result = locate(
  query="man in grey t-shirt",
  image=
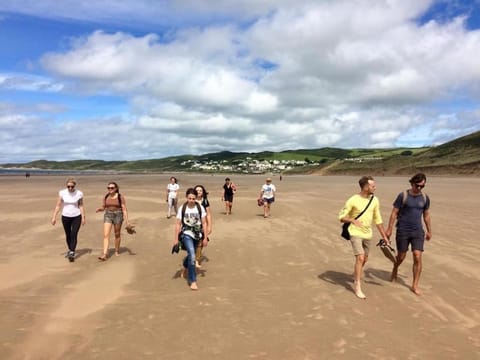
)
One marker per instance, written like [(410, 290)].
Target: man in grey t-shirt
[(408, 209)]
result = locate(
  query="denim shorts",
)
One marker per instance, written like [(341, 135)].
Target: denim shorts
[(113, 217)]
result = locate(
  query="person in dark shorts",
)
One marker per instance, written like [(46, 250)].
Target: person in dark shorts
[(229, 190), (267, 195), (408, 210)]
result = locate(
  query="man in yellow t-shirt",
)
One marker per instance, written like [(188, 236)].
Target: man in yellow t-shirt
[(361, 229)]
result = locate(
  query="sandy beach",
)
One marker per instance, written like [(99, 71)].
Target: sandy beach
[(276, 288)]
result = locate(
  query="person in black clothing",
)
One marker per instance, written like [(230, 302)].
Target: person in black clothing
[(202, 199), (228, 192)]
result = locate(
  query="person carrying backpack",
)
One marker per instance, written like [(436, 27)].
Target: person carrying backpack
[(115, 213), (189, 230), (408, 209)]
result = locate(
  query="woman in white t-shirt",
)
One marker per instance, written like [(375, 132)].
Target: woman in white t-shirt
[(267, 195), (191, 225), (172, 189), (73, 214)]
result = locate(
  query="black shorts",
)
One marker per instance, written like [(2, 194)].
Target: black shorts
[(414, 238), (229, 198)]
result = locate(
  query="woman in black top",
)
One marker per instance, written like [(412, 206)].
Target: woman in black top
[(202, 199), (228, 191)]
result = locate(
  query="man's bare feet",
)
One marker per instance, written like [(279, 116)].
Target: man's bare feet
[(358, 291), (183, 273), (416, 291), (393, 277), (117, 253), (193, 286), (197, 265)]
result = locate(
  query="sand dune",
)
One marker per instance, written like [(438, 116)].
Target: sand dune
[(277, 288)]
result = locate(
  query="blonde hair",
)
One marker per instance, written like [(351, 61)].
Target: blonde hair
[(71, 180)]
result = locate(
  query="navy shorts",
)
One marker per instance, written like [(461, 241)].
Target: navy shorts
[(414, 238), (269, 201)]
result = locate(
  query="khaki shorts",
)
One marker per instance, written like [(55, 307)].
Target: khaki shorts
[(360, 246)]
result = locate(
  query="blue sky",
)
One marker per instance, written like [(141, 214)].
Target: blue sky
[(141, 79)]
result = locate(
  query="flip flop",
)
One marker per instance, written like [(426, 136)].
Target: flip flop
[(387, 250)]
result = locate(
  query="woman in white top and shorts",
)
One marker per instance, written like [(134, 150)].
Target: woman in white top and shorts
[(172, 189)]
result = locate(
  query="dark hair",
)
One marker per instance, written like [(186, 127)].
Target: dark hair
[(191, 191), (205, 192), (174, 178), (364, 181), (227, 179), (116, 185), (418, 178)]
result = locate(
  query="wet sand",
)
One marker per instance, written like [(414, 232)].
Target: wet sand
[(277, 288)]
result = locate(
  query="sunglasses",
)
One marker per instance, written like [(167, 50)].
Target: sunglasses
[(111, 187), (71, 186), (419, 186)]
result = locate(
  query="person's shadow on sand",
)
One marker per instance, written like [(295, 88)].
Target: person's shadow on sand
[(80, 252), (338, 278), (383, 275), (178, 273), (124, 249)]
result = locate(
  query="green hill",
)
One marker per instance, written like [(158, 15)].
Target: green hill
[(458, 157)]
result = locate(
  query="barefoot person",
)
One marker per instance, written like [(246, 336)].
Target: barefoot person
[(190, 226), (229, 190), (267, 194), (172, 189), (73, 214), (360, 229), (115, 213), (409, 208), (202, 199)]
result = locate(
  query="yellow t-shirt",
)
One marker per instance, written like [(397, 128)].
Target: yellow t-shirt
[(355, 206)]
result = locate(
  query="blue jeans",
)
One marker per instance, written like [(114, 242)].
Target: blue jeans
[(189, 261)]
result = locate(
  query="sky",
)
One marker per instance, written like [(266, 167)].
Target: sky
[(145, 79)]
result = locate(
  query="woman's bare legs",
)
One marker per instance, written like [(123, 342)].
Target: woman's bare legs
[(118, 228), (107, 228)]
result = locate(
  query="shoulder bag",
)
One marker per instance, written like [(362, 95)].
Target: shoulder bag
[(345, 234)]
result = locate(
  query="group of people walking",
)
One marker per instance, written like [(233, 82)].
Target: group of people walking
[(409, 208), (193, 225), (70, 202), (194, 222)]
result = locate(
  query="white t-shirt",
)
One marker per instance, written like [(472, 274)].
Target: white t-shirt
[(172, 190), (268, 191), (70, 202), (191, 219)]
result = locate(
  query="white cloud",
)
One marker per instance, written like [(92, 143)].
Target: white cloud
[(28, 82), (281, 75)]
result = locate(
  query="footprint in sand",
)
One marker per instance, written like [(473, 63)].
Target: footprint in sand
[(20, 272), (102, 287)]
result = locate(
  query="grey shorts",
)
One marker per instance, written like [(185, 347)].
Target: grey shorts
[(113, 217)]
